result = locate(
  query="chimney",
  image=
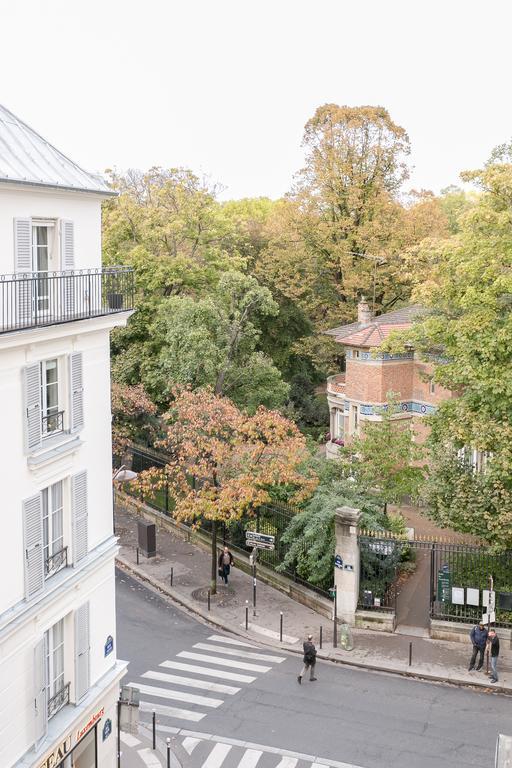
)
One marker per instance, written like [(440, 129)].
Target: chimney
[(364, 313)]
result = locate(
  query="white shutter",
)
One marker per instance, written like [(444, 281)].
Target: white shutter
[(33, 543), (23, 266), (32, 407), (67, 244), (76, 385), (81, 652), (40, 702), (79, 516), (67, 255)]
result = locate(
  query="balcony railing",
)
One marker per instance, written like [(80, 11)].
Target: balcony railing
[(52, 423), (58, 700), (56, 561), (336, 384), (48, 298)]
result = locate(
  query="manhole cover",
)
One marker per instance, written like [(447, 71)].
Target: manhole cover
[(224, 596)]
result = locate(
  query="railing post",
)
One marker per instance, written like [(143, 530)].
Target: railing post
[(154, 729)]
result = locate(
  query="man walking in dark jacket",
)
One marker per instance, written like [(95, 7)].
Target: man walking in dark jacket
[(309, 660), (493, 642), (478, 637)]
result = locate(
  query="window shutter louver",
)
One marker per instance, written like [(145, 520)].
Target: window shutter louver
[(32, 404), (81, 652), (40, 702), (33, 541), (23, 266), (67, 251), (79, 516), (76, 419)]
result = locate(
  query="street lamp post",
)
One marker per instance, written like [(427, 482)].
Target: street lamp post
[(121, 475)]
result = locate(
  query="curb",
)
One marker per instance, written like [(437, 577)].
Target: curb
[(135, 572)]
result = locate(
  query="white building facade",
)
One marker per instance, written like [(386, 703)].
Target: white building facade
[(59, 676)]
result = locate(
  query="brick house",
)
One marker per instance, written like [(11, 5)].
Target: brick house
[(355, 396)]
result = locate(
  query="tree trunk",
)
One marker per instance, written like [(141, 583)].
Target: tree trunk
[(213, 582), (385, 509)]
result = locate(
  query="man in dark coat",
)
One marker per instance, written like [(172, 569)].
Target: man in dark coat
[(478, 637), (494, 644), (309, 660), (225, 563)]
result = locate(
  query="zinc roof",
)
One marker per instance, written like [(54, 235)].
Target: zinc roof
[(27, 158)]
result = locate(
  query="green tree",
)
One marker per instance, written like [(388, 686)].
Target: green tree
[(213, 341), (466, 333), (385, 456)]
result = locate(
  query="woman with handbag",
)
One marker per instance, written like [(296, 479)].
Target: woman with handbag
[(225, 562)]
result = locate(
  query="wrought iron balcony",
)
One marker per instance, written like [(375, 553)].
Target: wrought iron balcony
[(58, 700), (52, 423), (48, 298), (55, 562)]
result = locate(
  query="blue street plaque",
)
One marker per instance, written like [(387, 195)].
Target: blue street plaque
[(107, 729), (338, 561), (109, 645)]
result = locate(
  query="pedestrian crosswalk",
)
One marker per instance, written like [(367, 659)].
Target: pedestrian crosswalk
[(167, 690)]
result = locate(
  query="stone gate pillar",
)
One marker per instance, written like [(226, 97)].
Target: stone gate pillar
[(346, 567)]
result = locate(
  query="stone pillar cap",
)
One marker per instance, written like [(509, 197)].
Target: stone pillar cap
[(348, 515)]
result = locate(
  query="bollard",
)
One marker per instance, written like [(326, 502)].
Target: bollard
[(137, 555), (209, 599), (246, 615), (172, 574), (281, 627), (168, 753), (154, 729), (410, 654), (321, 630)]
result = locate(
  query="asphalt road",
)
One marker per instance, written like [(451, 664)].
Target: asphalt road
[(363, 719)]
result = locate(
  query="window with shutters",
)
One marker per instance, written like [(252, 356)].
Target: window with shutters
[(52, 417), (57, 690), (55, 553)]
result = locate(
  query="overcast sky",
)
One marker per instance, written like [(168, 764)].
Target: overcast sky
[(225, 86)]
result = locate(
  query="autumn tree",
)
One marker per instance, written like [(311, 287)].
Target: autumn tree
[(224, 463)]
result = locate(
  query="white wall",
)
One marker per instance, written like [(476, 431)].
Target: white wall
[(81, 208), (17, 657)]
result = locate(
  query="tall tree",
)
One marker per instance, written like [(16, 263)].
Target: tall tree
[(467, 288), (214, 341), (224, 463)]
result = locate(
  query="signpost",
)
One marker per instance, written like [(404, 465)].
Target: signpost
[(257, 541)]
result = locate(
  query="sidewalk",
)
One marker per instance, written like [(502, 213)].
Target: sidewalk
[(431, 659)]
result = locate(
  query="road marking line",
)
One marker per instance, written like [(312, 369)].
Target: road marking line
[(208, 671), (170, 693), (321, 761), (270, 633), (250, 758), (189, 744), (287, 762), (230, 641), (180, 714), (223, 662), (129, 740), (217, 756), (204, 685), (149, 758), (243, 654)]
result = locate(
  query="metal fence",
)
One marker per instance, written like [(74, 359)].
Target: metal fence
[(37, 299), (272, 519), (459, 577)]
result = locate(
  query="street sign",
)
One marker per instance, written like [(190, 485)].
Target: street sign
[(259, 540), (444, 584), (338, 561)]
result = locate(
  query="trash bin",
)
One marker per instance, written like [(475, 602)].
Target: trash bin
[(147, 538)]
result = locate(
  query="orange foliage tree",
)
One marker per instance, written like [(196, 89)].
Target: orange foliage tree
[(224, 463)]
